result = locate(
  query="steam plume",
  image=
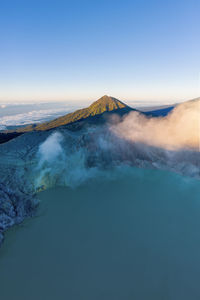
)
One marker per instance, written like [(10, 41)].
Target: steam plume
[(169, 143), (179, 130)]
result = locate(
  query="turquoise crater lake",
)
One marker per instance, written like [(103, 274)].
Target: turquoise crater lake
[(132, 236)]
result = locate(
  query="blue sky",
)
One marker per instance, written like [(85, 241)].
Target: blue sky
[(81, 50)]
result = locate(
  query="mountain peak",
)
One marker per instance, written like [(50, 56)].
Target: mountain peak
[(102, 105), (106, 103), (106, 98)]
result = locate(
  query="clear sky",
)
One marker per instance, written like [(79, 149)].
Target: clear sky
[(80, 50)]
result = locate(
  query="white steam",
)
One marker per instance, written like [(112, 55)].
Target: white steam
[(58, 164), (168, 143), (50, 157), (51, 149), (179, 130)]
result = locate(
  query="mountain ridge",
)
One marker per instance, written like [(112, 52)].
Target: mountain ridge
[(97, 113), (102, 105)]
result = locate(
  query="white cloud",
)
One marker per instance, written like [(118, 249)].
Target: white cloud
[(35, 116)]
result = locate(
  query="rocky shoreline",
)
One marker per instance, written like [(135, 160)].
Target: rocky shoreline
[(15, 206)]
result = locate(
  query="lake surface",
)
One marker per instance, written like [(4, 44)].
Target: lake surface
[(136, 236)]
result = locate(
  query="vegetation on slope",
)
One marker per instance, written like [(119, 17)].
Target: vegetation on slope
[(104, 104)]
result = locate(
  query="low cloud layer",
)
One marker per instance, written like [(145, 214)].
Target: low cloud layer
[(23, 114), (35, 116)]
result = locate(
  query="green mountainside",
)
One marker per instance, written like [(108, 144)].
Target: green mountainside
[(104, 104)]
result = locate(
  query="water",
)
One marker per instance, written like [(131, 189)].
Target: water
[(133, 237)]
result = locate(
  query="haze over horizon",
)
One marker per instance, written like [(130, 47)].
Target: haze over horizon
[(80, 50)]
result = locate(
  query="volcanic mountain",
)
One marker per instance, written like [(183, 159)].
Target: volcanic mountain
[(92, 113)]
